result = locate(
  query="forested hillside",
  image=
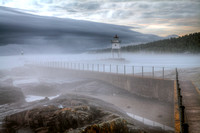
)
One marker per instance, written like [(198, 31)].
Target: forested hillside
[(188, 43)]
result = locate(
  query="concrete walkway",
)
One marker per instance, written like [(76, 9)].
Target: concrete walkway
[(191, 101)]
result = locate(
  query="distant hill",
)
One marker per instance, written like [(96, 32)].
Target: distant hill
[(188, 43), (171, 36)]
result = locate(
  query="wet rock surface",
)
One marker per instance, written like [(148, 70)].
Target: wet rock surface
[(68, 115), (53, 119)]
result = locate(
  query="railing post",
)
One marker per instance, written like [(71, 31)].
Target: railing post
[(83, 66), (92, 67), (88, 67), (110, 68), (124, 69), (185, 128), (180, 100), (182, 114), (179, 92), (117, 69), (133, 69), (153, 71), (98, 67), (142, 71), (103, 67), (163, 72)]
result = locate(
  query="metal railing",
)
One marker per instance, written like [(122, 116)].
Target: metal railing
[(142, 71), (183, 125)]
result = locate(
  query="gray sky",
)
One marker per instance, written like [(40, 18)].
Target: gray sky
[(160, 17)]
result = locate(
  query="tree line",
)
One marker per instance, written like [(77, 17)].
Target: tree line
[(187, 43)]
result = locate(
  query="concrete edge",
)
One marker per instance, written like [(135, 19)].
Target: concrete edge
[(177, 125)]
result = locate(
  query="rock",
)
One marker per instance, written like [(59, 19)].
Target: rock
[(74, 119), (10, 94)]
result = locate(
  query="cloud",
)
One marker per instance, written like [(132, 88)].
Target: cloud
[(136, 13), (65, 34)]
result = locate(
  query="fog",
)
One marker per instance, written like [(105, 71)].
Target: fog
[(44, 62), (134, 59), (42, 77)]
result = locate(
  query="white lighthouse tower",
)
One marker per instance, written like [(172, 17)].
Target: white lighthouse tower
[(115, 46)]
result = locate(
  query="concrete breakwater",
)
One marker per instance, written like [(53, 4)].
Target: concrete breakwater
[(155, 88)]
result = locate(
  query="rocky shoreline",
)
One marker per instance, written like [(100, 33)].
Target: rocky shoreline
[(67, 115), (81, 106)]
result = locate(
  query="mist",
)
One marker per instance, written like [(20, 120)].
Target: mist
[(50, 81)]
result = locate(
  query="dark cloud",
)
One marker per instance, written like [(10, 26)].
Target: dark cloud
[(67, 34)]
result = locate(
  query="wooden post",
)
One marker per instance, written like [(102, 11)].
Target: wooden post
[(103, 67), (110, 68), (98, 67), (133, 69)]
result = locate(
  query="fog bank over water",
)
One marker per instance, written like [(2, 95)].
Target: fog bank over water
[(137, 59)]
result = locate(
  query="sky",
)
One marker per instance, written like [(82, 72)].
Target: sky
[(34, 34), (159, 17)]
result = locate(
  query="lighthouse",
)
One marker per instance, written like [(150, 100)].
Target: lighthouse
[(115, 50)]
